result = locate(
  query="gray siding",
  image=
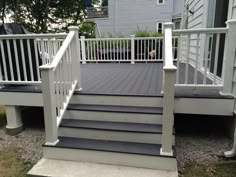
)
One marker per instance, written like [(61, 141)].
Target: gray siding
[(133, 14), (232, 9)]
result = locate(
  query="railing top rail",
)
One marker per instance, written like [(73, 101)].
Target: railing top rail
[(61, 52), (200, 30), (32, 36), (124, 38), (104, 39)]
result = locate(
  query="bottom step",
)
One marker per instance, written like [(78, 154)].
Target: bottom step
[(110, 152), (61, 168)]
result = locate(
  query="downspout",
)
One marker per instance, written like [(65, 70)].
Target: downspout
[(232, 152), (116, 17)]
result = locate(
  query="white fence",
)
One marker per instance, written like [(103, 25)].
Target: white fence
[(141, 49), (199, 53), (59, 80), (21, 56)]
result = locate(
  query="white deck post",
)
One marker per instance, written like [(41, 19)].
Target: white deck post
[(76, 56), (132, 49), (168, 99), (49, 103), (229, 58), (83, 49), (14, 121)]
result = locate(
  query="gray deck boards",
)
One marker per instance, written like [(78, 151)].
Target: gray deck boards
[(137, 79), (125, 79)]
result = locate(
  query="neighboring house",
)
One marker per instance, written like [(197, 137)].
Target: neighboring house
[(124, 17)]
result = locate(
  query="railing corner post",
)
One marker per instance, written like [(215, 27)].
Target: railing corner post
[(83, 49), (229, 58), (50, 117), (76, 57), (132, 49)]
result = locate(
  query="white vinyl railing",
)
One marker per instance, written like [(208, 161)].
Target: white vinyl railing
[(133, 49), (59, 80), (21, 56), (200, 64)]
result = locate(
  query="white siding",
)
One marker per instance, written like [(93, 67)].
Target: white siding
[(232, 9)]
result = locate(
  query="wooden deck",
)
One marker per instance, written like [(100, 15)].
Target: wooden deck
[(125, 79)]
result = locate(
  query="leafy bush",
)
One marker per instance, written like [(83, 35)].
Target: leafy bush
[(145, 33)]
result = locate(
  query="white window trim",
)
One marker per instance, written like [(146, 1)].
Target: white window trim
[(158, 3), (162, 26)]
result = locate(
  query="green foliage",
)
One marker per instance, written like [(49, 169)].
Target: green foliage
[(42, 16), (87, 29), (145, 33)]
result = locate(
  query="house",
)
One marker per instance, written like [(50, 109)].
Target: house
[(213, 14), (106, 100), (125, 17)]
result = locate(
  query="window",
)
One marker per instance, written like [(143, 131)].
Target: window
[(159, 2), (160, 27)]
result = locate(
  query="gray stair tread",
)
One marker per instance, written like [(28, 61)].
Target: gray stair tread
[(109, 108), (109, 146), (112, 126)]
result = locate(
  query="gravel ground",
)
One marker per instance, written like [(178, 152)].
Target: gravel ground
[(190, 148), (29, 143), (204, 149)]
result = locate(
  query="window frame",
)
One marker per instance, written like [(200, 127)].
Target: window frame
[(162, 27), (158, 2)]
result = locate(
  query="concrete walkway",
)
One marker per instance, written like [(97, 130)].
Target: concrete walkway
[(60, 168)]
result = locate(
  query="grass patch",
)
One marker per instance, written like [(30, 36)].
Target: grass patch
[(11, 165), (2, 116), (212, 170)]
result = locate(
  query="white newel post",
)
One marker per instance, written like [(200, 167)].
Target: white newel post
[(169, 89), (76, 56), (132, 49), (229, 58), (83, 49), (50, 118)]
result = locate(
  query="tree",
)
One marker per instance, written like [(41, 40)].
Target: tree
[(42, 16)]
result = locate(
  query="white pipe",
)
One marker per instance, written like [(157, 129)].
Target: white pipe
[(116, 18), (232, 152)]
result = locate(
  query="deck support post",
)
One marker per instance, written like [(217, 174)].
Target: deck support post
[(132, 48), (83, 49), (76, 57), (14, 120), (50, 117), (229, 58)]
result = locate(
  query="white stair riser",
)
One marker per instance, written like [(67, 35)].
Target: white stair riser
[(114, 116), (112, 158), (111, 135), (118, 100)]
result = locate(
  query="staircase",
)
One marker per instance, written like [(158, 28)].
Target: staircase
[(117, 130)]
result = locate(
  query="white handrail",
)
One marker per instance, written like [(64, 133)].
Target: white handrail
[(60, 78), (61, 52), (32, 36), (201, 30)]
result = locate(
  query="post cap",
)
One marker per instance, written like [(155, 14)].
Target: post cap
[(73, 28), (168, 25)]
